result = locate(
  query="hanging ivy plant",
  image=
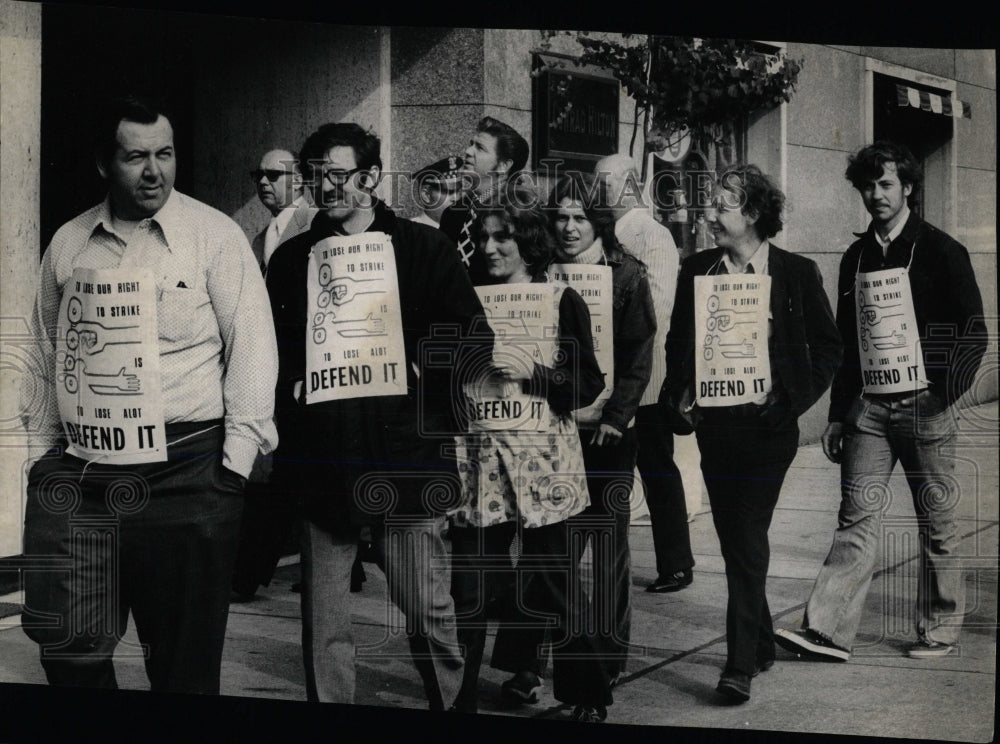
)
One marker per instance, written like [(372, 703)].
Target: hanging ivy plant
[(709, 86)]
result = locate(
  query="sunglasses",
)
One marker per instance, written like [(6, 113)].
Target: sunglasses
[(272, 175)]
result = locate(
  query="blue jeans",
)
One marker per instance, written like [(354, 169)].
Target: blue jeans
[(919, 432)]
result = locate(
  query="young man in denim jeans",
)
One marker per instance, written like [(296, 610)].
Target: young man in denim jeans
[(904, 367)]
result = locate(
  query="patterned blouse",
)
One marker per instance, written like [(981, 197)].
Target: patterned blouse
[(536, 477)]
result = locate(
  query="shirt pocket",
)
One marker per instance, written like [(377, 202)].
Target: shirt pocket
[(181, 315)]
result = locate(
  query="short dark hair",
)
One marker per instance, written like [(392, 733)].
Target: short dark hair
[(869, 163), (365, 144), (592, 194), (521, 210), (510, 145), (140, 109), (759, 196)]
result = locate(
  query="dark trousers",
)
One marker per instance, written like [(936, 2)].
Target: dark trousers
[(546, 600), (548, 605), (664, 492), (270, 525), (744, 463), (604, 524), (157, 540)]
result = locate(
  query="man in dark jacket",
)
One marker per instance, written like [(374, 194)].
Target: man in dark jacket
[(892, 400), (369, 457), (748, 438)]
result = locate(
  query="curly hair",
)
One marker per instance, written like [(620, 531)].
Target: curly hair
[(869, 163), (758, 196), (366, 144), (522, 214), (592, 194)]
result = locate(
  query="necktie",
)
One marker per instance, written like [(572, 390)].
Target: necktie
[(466, 246), (749, 269), (270, 240)]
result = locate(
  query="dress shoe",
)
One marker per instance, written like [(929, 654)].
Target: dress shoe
[(925, 649), (673, 583), (734, 686), (523, 687), (810, 643)]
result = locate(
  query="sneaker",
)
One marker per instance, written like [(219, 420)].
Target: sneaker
[(925, 649), (590, 713), (810, 643), (523, 687)]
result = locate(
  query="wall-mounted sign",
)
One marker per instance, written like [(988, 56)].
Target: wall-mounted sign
[(574, 115)]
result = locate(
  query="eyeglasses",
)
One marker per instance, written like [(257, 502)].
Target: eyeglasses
[(339, 177), (272, 174)]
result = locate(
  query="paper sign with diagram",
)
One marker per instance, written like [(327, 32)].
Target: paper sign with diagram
[(354, 334), (522, 318), (732, 362), (108, 383), (593, 283), (888, 341)]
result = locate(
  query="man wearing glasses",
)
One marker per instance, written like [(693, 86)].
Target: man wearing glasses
[(280, 189), (368, 456)]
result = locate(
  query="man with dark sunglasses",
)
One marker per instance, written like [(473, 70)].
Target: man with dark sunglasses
[(281, 190)]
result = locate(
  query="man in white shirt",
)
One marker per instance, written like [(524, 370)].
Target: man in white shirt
[(650, 242), (281, 190), (151, 392)]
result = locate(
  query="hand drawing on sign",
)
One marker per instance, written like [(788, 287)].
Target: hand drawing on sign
[(744, 349), (870, 314), (724, 320), (354, 328), (92, 336), (342, 289), (898, 340), (118, 383)]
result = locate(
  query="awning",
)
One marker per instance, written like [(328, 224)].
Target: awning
[(932, 102)]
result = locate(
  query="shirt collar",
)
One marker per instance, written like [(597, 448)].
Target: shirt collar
[(758, 260), (169, 219), (895, 232)]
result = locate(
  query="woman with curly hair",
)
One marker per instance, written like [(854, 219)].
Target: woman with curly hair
[(522, 481)]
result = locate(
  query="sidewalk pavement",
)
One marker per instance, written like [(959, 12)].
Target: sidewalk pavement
[(679, 641)]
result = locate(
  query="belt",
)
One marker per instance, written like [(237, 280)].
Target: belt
[(740, 411), (903, 397)]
